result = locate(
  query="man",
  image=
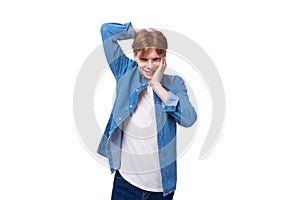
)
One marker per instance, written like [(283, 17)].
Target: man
[(140, 137)]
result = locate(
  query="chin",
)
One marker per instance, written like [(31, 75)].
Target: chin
[(147, 76)]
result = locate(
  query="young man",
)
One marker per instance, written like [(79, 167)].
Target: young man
[(140, 137)]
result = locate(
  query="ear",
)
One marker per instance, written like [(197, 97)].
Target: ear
[(135, 56)]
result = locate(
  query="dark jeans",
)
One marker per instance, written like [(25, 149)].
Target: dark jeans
[(122, 190)]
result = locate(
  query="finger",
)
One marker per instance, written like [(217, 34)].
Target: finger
[(165, 61), (161, 69), (164, 68), (161, 62), (165, 64)]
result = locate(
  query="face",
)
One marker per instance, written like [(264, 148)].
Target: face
[(149, 62)]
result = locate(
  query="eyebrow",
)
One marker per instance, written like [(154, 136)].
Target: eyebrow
[(142, 58)]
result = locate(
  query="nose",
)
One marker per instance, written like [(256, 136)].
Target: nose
[(150, 64)]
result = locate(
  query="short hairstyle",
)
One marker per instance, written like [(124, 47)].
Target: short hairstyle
[(151, 38)]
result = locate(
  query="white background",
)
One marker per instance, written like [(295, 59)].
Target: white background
[(255, 46)]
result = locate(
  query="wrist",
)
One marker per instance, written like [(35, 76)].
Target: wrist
[(155, 84), (160, 91)]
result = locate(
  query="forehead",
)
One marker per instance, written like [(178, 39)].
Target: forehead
[(149, 53)]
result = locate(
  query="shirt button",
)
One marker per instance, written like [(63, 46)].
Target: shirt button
[(137, 90), (130, 106), (120, 118), (143, 84)]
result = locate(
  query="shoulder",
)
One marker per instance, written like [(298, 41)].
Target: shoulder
[(171, 79)]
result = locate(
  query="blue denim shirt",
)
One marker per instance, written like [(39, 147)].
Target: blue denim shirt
[(129, 84)]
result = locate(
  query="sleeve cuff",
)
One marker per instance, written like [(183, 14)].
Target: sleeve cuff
[(130, 31), (171, 103)]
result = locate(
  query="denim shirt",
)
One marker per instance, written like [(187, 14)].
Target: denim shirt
[(129, 84)]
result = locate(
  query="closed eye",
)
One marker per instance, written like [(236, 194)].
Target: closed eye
[(154, 59), (144, 59)]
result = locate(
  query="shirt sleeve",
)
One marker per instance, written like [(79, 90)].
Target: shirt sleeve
[(171, 103), (178, 104), (111, 33)]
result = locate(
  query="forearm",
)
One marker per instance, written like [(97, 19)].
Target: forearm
[(117, 31), (161, 92), (179, 106), (111, 33)]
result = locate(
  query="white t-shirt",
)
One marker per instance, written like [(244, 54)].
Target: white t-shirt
[(139, 156)]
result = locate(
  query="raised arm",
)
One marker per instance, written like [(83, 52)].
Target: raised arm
[(118, 62)]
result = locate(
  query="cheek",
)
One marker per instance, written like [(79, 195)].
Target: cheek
[(141, 64), (141, 68), (156, 66)]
